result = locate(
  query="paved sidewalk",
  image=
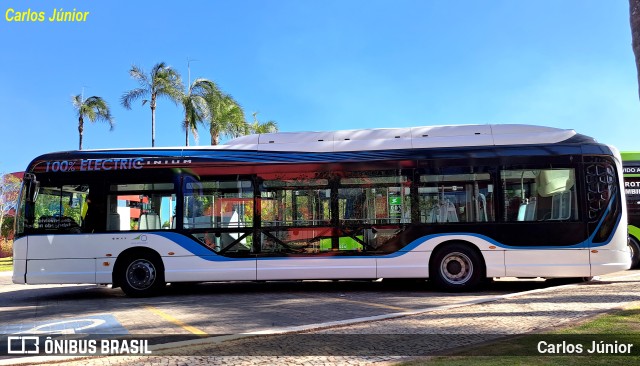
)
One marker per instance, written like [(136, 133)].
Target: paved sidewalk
[(528, 312)]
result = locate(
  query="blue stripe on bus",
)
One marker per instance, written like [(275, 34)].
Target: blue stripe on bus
[(193, 246)]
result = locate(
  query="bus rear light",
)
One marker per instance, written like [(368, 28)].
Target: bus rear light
[(108, 254), (106, 264)]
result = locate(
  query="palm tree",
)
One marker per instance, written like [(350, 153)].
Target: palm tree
[(163, 81), (634, 18), (226, 117), (266, 127), (195, 105), (94, 108)]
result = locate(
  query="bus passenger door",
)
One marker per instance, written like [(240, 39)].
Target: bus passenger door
[(308, 253)]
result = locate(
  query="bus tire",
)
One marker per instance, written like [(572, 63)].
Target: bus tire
[(141, 275), (457, 267), (634, 246)]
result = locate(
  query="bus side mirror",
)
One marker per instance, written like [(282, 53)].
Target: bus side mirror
[(32, 186)]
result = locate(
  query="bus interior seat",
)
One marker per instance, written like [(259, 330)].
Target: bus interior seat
[(443, 212), (149, 221), (522, 211), (527, 211), (561, 206), (482, 208)]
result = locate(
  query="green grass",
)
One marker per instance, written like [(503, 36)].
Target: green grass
[(6, 264), (622, 326)]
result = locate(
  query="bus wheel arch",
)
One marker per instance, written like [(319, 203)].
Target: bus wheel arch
[(457, 266), (139, 272)]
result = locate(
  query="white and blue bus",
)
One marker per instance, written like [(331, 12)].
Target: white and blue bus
[(453, 204)]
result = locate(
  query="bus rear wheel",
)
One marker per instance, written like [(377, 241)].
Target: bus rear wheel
[(634, 247), (457, 267), (141, 276)]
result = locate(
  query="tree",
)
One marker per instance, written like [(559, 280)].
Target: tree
[(634, 18), (266, 127), (9, 190), (163, 81), (95, 109), (226, 117), (195, 105), (7, 227)]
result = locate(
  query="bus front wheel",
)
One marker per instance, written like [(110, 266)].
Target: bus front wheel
[(457, 267), (634, 246), (141, 275)]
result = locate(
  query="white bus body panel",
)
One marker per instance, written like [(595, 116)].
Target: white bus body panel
[(104, 270), (19, 270), (91, 258), (494, 260), (316, 268), (193, 268), (43, 271), (547, 263), (414, 264), (61, 259), (19, 260), (607, 261)]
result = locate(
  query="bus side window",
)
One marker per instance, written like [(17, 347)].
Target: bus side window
[(58, 209), (539, 194), (456, 194), (140, 206)]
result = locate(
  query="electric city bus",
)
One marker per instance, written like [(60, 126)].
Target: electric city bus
[(453, 204), (631, 169)]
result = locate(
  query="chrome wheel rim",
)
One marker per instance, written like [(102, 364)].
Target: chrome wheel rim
[(456, 268), (141, 274)]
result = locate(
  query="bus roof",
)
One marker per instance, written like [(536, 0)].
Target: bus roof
[(402, 138), (423, 137), (306, 144)]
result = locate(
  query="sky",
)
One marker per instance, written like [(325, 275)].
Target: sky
[(313, 65)]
